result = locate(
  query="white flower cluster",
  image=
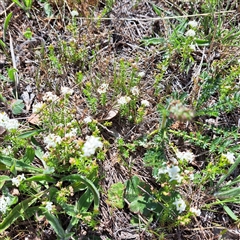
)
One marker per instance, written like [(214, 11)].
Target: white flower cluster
[(145, 103), (124, 100), (188, 156), (180, 205), (36, 108), (230, 157), (49, 97), (66, 91), (190, 33), (49, 206), (52, 140), (72, 133), (195, 211), (8, 123), (91, 145), (7, 151), (173, 173), (87, 119), (4, 202), (17, 180), (135, 91), (103, 88), (193, 23)]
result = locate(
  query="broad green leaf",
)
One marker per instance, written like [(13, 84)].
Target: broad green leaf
[(116, 195), (88, 183), (17, 211), (17, 107)]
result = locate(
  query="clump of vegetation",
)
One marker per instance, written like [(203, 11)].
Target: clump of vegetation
[(96, 129)]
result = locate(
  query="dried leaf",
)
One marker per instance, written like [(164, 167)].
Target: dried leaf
[(112, 113), (34, 119)]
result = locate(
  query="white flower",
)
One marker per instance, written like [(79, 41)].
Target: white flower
[(180, 205), (103, 88), (7, 150), (162, 171), (190, 33), (72, 133), (8, 123), (193, 23), (124, 100), (4, 202), (173, 173), (192, 47), (188, 156), (51, 140), (174, 160), (145, 103), (191, 176), (46, 155), (141, 74), (49, 97), (87, 119), (66, 91), (49, 206), (230, 157), (91, 145), (36, 108), (135, 91), (195, 211), (17, 180), (74, 13)]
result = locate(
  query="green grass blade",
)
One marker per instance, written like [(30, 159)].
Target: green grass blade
[(230, 171), (6, 24)]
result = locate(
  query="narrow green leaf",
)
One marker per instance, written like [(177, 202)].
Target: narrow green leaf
[(29, 133), (228, 193), (54, 223), (29, 155), (88, 183), (17, 211), (6, 24), (18, 3), (20, 166), (153, 41), (41, 177), (230, 213), (230, 171), (85, 201)]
